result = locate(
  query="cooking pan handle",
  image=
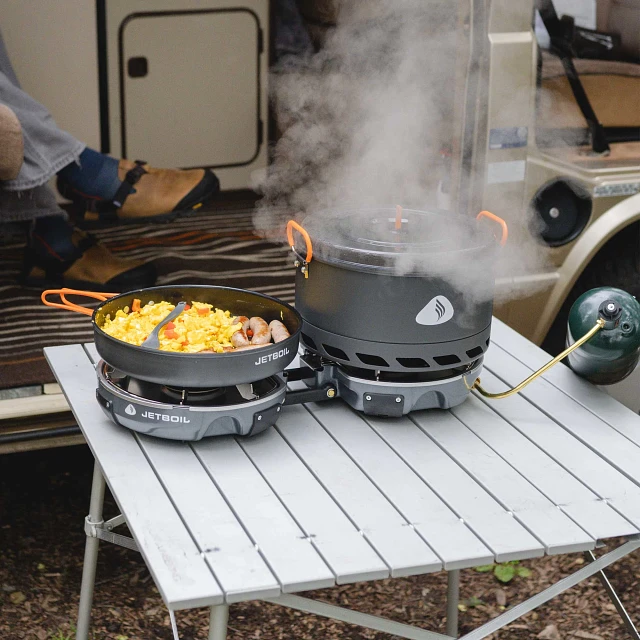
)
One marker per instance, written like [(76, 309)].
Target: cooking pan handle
[(291, 225), (71, 306), (500, 221)]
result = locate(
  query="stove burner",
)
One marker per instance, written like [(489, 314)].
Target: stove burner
[(192, 396), (403, 377), (188, 414), (218, 397)]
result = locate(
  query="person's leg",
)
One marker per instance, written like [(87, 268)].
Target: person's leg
[(119, 190), (61, 255), (56, 253), (105, 191)]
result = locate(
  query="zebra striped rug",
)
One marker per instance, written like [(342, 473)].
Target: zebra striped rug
[(216, 247)]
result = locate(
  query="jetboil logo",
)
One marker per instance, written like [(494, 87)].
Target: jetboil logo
[(272, 356), (437, 311), (163, 417), (160, 417)]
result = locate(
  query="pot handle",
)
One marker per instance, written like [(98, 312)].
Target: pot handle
[(291, 225), (500, 221), (71, 306)]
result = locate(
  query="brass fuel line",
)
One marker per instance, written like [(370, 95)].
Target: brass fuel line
[(600, 324)]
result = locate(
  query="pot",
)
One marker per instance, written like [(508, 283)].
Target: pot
[(386, 289), (191, 370)]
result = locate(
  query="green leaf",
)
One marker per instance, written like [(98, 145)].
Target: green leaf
[(485, 568), (473, 602), (504, 572), (523, 572)]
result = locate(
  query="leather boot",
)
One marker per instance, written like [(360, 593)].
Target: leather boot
[(146, 195), (79, 262)]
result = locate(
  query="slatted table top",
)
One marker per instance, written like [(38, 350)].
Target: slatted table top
[(330, 496)]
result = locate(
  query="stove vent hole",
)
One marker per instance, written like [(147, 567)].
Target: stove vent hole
[(334, 352), (446, 360), (413, 363), (308, 341), (474, 353), (372, 361)]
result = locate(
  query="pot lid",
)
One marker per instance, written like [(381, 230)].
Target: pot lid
[(392, 237)]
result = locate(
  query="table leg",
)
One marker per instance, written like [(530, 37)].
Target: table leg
[(628, 623), (453, 597), (90, 555), (218, 618)]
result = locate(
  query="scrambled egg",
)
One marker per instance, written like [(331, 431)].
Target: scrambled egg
[(197, 328)]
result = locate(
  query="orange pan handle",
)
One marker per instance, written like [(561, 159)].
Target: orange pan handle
[(71, 306), (291, 225), (500, 221)]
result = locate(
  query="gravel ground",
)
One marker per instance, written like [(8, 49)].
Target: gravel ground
[(44, 497)]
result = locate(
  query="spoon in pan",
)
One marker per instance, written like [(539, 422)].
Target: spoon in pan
[(153, 339)]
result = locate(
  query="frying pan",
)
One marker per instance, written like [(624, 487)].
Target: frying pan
[(190, 370)]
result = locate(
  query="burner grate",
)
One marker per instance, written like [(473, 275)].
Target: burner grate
[(192, 396)]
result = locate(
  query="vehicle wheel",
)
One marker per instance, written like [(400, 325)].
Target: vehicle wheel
[(617, 264)]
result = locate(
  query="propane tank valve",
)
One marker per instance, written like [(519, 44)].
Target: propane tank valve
[(611, 312)]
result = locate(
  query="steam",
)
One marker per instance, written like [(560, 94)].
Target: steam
[(359, 116), (364, 122)]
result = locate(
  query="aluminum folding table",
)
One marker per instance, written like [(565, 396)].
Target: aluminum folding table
[(330, 496)]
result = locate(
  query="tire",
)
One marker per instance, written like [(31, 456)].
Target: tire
[(617, 264)]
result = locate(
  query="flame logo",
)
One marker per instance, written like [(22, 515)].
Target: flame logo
[(437, 311), (130, 410)]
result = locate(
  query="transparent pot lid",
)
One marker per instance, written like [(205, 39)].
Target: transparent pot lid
[(390, 237)]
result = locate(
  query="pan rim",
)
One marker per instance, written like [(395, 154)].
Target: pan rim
[(174, 354)]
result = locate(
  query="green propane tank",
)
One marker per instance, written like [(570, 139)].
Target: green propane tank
[(612, 354)]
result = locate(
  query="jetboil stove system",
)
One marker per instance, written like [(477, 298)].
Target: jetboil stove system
[(386, 339), (248, 408), (379, 322)]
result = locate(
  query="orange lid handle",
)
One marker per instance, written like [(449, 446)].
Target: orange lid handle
[(500, 221), (71, 306), (291, 225)]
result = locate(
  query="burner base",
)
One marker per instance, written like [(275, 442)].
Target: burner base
[(391, 398), (246, 415)]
